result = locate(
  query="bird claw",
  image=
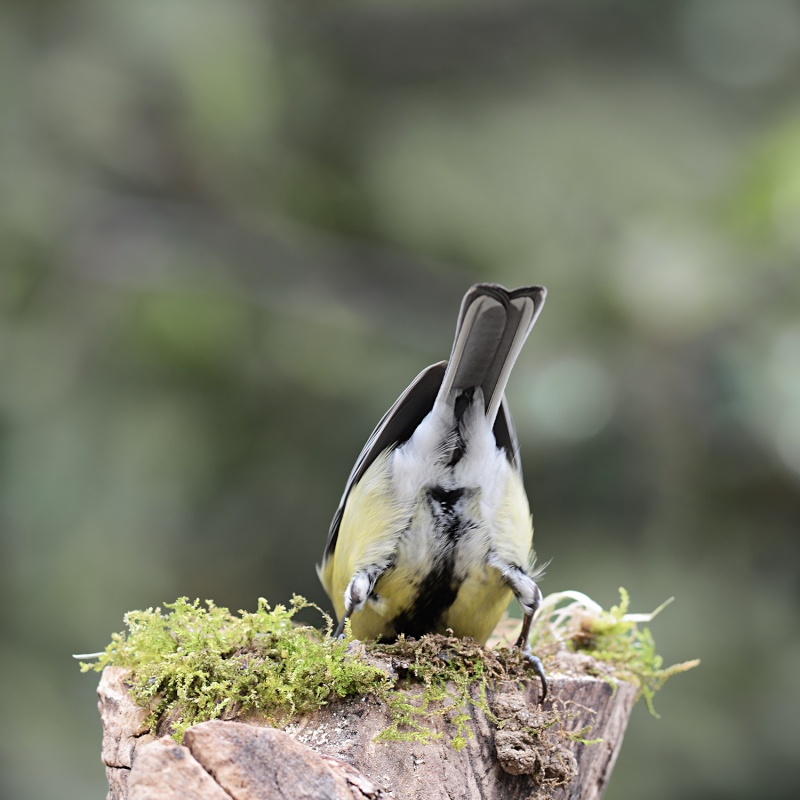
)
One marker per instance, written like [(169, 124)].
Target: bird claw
[(536, 663)]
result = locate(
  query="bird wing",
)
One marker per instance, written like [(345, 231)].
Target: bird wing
[(396, 426), (506, 436)]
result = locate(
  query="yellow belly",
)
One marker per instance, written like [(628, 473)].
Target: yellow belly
[(478, 606)]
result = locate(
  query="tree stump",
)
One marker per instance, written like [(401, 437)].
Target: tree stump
[(521, 751)]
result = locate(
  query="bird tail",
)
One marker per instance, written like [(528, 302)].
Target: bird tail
[(492, 327)]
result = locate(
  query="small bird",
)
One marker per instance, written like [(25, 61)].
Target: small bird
[(433, 531)]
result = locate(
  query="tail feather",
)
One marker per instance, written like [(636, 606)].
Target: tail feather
[(492, 327)]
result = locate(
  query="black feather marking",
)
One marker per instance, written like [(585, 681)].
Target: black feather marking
[(436, 594), (443, 504), (461, 405), (463, 402), (437, 591), (446, 499), (506, 437)]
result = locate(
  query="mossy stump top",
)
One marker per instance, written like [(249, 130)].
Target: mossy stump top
[(197, 702), (513, 748)]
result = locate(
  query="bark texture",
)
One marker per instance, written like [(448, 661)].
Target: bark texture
[(332, 753)]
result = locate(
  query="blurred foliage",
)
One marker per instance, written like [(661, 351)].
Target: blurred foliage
[(231, 233)]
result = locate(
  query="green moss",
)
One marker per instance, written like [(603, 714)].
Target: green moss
[(440, 676), (192, 662), (580, 736), (613, 638)]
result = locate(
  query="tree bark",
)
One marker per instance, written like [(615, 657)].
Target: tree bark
[(522, 751)]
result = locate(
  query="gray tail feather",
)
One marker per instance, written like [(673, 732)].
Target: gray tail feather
[(492, 327)]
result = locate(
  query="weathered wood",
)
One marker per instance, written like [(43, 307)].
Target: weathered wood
[(333, 753)]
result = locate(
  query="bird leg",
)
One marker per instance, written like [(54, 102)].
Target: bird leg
[(530, 598), (339, 632), (357, 593), (524, 645)]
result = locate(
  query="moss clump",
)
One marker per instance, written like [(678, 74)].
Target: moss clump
[(613, 638), (452, 675), (193, 663)]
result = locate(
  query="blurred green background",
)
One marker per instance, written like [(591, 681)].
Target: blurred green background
[(232, 232)]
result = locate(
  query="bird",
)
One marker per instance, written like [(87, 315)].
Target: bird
[(433, 531)]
